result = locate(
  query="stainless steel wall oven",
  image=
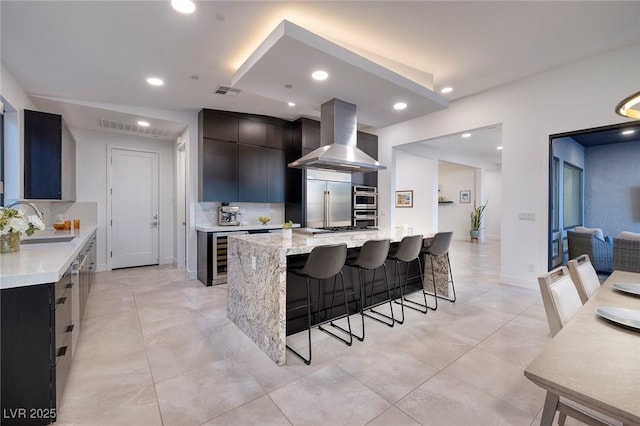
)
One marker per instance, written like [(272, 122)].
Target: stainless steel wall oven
[(365, 198)]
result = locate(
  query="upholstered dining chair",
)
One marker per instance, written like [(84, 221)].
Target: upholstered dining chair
[(584, 277), (560, 297), (561, 302)]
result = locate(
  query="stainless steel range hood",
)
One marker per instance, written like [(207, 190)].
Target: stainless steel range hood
[(338, 137)]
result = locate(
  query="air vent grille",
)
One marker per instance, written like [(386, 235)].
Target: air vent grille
[(227, 91), (120, 126)]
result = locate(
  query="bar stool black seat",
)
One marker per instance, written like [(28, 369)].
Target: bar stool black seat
[(440, 247), (372, 256), (324, 262), (407, 252)]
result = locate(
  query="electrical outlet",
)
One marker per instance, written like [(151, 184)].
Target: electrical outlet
[(532, 267), (253, 263)]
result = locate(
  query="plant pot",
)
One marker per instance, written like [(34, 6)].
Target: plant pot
[(474, 233), (287, 234), (10, 243)]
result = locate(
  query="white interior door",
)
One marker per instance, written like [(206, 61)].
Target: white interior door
[(134, 208)]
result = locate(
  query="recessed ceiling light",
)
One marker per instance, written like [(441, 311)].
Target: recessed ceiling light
[(183, 6), (142, 123), (499, 148), (155, 81), (320, 75), (466, 135), (399, 106), (628, 132), (446, 90), (291, 104)]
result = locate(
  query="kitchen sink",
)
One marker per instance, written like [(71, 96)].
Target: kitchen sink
[(47, 240)]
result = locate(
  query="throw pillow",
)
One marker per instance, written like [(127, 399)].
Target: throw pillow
[(594, 231), (626, 235)]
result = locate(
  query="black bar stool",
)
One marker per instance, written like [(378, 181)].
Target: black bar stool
[(324, 262), (440, 247), (372, 256), (408, 251)]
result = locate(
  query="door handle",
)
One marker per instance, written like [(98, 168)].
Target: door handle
[(329, 209), (154, 223)]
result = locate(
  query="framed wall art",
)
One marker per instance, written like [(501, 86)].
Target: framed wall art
[(404, 198), (465, 196)]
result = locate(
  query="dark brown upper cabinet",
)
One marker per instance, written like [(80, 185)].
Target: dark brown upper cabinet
[(252, 132), (218, 125), (250, 169), (49, 158), (369, 144), (219, 172)]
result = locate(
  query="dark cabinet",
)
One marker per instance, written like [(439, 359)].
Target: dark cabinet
[(252, 175), (278, 137), (276, 171), (218, 125), (49, 157), (36, 350), (261, 174), (306, 135), (252, 170), (219, 171), (369, 144), (252, 132)]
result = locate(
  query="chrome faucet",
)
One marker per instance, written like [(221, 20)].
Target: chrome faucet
[(26, 203)]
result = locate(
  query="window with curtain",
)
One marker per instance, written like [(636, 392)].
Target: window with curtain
[(573, 197)]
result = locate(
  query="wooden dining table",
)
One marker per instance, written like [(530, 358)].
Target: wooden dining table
[(593, 361)]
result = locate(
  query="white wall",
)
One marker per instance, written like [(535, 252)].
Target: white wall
[(453, 178), (421, 176), (493, 193), (91, 182), (16, 101), (578, 96), (485, 186), (190, 136)]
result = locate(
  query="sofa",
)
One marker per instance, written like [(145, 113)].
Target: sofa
[(598, 248), (626, 252)]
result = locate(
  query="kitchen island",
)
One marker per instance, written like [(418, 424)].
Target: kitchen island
[(258, 280)]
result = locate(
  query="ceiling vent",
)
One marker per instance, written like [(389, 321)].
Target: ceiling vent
[(120, 126), (227, 91)]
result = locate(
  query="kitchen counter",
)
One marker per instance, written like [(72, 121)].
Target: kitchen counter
[(215, 228), (43, 262), (257, 280)]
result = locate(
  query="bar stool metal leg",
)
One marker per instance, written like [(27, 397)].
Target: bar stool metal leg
[(412, 304), (393, 321), (349, 342), (399, 284), (306, 360)]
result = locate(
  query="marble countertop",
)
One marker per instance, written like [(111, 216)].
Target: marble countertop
[(301, 243), (212, 228), (43, 262)]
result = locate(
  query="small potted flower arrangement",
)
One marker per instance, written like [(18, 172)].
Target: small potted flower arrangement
[(287, 231), (12, 224)]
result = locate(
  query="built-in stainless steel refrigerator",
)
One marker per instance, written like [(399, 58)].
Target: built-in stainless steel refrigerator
[(328, 198)]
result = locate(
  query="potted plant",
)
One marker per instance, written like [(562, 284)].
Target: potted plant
[(12, 225), (287, 231), (476, 220)]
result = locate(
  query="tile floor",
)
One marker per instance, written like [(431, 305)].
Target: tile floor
[(157, 349)]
